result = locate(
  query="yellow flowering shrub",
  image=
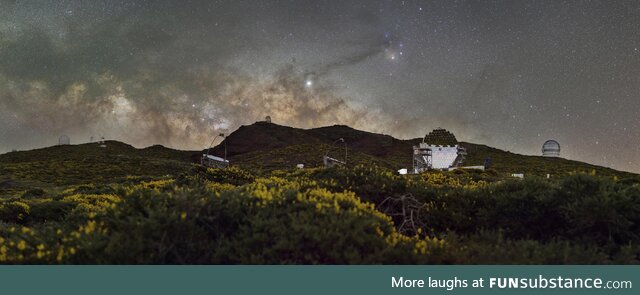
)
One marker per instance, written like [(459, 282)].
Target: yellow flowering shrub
[(90, 205), (280, 223), (325, 216)]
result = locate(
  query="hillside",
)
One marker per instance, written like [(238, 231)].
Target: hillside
[(271, 146), (86, 204), (259, 147), (507, 162), (87, 163)]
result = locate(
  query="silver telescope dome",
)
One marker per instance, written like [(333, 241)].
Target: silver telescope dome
[(551, 148)]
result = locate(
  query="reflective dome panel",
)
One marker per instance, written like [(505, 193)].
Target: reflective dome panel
[(551, 148), (440, 136)]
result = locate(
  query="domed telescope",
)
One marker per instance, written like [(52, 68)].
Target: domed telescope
[(551, 148)]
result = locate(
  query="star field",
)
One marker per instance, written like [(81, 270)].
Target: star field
[(509, 74)]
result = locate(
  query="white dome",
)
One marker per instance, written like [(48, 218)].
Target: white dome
[(551, 148)]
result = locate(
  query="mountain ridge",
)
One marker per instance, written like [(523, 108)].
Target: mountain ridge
[(260, 146)]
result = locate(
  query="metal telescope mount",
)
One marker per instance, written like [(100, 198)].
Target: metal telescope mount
[(213, 161)]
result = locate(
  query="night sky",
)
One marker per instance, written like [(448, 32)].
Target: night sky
[(509, 74)]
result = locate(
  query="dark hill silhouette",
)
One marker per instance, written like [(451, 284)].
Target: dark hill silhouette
[(272, 146), (258, 147)]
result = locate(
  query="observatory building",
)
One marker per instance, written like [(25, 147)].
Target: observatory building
[(551, 148), (64, 140), (438, 150)]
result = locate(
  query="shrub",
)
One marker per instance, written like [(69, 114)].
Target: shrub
[(231, 175), (49, 210), (34, 193), (264, 222), (598, 210), (88, 206), (94, 190), (279, 224), (522, 209), (328, 216), (492, 247), (14, 211)]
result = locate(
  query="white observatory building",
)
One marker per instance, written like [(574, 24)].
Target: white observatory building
[(551, 148), (438, 150)]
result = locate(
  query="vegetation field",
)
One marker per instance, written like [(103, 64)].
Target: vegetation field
[(85, 204), (363, 215)]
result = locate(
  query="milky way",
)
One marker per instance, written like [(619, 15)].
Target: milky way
[(508, 74)]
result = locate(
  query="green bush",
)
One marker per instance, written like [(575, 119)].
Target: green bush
[(327, 216), (34, 193), (580, 208), (522, 209), (266, 222), (279, 224), (14, 211), (49, 211), (491, 247), (231, 175), (94, 190)]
